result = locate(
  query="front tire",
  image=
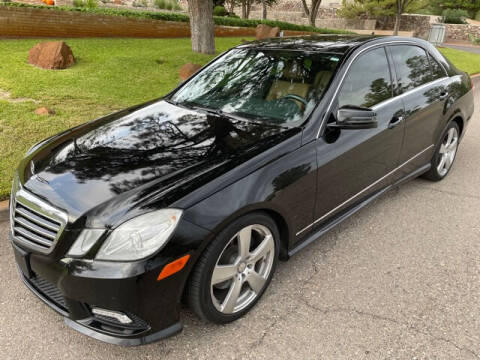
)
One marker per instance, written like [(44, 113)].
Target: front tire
[(235, 269), (445, 153)]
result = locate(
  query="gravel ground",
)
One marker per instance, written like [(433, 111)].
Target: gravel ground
[(399, 280)]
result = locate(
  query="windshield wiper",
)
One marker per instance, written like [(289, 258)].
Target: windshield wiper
[(195, 106)]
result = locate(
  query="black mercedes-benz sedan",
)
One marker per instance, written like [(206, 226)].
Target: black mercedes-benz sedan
[(196, 195)]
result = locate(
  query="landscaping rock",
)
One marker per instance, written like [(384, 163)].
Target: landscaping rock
[(188, 70), (44, 111), (264, 31), (51, 55)]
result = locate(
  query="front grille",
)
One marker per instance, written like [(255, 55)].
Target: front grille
[(35, 223), (32, 226), (49, 291)]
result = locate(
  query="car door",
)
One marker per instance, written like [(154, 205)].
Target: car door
[(422, 84), (354, 163)]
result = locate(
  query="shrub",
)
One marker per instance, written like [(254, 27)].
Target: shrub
[(454, 16), (477, 15), (474, 40), (167, 4), (140, 3), (88, 4), (220, 11)]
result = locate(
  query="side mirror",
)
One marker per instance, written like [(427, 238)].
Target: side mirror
[(353, 117)]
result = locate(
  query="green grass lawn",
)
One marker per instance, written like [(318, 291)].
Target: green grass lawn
[(468, 62), (110, 74)]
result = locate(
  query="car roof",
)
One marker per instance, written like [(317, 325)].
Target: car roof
[(324, 43)]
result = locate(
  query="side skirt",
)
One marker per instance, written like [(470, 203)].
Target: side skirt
[(346, 214)]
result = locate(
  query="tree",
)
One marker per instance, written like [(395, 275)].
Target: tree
[(379, 8), (438, 6), (230, 5), (311, 11), (400, 8), (202, 26), (266, 3), (246, 6)]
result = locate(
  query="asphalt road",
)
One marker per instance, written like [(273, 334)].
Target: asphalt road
[(469, 48), (399, 280)]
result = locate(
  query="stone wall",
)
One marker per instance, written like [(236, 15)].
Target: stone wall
[(326, 18), (30, 22), (460, 32), (419, 24), (294, 15)]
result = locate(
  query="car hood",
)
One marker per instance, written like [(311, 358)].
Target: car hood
[(143, 157)]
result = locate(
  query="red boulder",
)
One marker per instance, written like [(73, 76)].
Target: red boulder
[(44, 111), (188, 70), (51, 55), (264, 31)]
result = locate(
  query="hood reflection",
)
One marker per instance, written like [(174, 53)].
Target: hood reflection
[(160, 142)]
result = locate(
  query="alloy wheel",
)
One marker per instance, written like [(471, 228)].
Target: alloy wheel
[(447, 151), (242, 269)]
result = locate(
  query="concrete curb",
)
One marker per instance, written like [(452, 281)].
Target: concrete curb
[(4, 211)]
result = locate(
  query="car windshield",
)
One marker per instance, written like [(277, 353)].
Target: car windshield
[(274, 86)]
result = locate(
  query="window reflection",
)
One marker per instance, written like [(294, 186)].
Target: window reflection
[(368, 81), (412, 66), (155, 142), (267, 85)]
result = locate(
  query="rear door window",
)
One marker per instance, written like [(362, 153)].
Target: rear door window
[(412, 66), (368, 81)]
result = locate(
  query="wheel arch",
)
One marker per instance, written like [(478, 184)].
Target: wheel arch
[(277, 215), (457, 118)]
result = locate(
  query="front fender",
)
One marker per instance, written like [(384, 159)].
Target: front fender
[(286, 187)]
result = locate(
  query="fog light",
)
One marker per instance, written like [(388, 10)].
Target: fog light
[(120, 317)]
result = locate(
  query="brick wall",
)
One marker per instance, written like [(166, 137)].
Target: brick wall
[(28, 22)]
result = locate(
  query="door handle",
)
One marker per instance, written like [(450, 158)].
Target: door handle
[(443, 95), (396, 120)]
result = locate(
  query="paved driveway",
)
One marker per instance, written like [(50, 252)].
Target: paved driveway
[(399, 280), (472, 49)]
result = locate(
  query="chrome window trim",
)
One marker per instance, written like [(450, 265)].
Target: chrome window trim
[(365, 189), (429, 55), (408, 92), (385, 44)]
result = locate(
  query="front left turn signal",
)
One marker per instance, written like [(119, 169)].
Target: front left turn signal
[(173, 267)]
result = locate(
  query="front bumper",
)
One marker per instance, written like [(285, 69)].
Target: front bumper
[(72, 287), (89, 325)]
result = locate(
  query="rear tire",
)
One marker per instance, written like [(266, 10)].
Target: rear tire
[(235, 269), (445, 154)]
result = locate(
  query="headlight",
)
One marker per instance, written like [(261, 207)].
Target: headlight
[(84, 242), (141, 236)]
